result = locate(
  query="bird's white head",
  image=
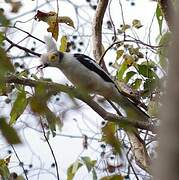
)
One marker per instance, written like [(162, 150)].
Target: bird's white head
[(53, 56), (52, 59)]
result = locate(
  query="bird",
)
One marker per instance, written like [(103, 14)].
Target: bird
[(85, 74)]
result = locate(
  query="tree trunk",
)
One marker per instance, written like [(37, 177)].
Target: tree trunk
[(166, 165)]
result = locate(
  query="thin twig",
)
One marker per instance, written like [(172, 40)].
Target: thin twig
[(21, 47), (20, 162), (50, 147), (130, 164)]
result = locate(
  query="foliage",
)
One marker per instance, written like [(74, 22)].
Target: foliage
[(84, 161), (138, 67)]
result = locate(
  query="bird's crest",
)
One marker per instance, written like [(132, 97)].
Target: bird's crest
[(51, 45)]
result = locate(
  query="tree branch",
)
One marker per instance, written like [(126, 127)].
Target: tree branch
[(85, 98), (97, 30)]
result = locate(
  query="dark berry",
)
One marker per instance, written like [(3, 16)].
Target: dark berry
[(112, 157), (103, 146), (81, 43), (73, 47), (74, 36), (94, 7), (7, 100), (32, 49), (132, 3), (22, 66), (16, 64), (79, 50), (9, 151), (26, 171), (57, 99), (30, 165), (53, 165)]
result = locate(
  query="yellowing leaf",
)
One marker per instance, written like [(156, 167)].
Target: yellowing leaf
[(119, 53), (113, 177), (125, 27), (73, 169), (52, 19), (63, 46), (136, 23), (129, 59), (67, 20)]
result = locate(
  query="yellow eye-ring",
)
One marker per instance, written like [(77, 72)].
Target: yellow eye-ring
[(52, 57)]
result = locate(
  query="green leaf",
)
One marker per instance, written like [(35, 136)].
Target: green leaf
[(136, 84), (146, 71), (150, 64), (163, 50), (129, 75), (5, 64), (122, 70), (109, 137), (136, 23), (18, 107), (23, 73), (3, 20), (119, 53), (4, 171), (52, 120), (1, 38), (63, 46), (153, 108), (160, 18), (88, 162), (113, 177), (94, 174), (73, 168), (149, 86), (9, 132)]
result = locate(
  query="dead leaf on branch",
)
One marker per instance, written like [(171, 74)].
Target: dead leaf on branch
[(52, 19)]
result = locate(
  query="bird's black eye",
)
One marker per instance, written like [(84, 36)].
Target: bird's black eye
[(53, 57)]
